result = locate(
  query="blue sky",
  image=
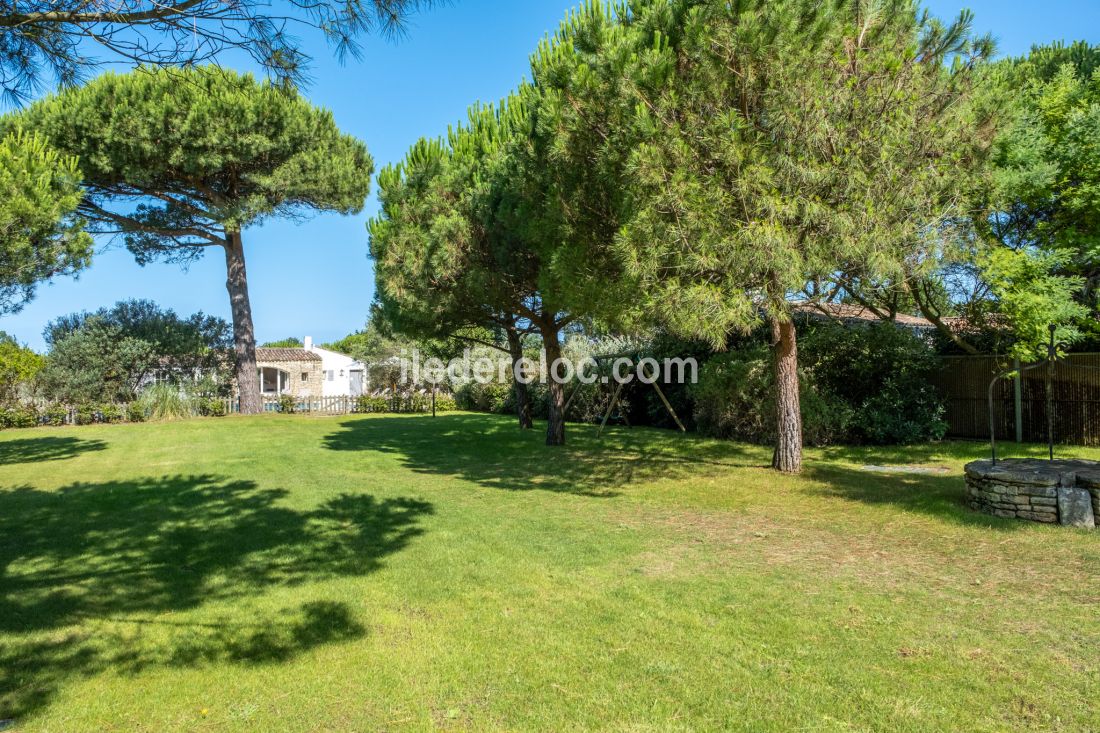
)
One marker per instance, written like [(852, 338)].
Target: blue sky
[(315, 278)]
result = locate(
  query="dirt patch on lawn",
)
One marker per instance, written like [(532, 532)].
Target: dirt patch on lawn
[(892, 556)]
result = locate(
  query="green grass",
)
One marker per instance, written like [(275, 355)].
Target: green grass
[(293, 573)]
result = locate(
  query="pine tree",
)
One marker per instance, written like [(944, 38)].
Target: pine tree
[(40, 234), (463, 241), (436, 278), (523, 241), (771, 143), (178, 161)]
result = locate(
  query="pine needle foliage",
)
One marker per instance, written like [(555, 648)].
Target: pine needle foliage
[(176, 161), (43, 41), (41, 236)]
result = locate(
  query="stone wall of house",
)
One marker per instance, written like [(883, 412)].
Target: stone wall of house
[(1053, 492)]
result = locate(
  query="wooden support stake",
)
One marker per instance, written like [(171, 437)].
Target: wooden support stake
[(668, 407), (610, 407), (1017, 398), (568, 402)]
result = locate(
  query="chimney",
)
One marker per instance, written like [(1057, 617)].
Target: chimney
[(309, 343)]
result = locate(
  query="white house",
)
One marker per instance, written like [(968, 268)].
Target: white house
[(340, 374)]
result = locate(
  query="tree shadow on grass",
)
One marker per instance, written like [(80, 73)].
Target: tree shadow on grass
[(46, 448), (492, 451), (952, 451), (847, 472), (88, 572), (942, 496)]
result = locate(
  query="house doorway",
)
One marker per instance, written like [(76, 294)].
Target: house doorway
[(355, 382)]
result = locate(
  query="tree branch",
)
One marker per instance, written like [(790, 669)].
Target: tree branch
[(160, 11), (928, 312), (128, 223)]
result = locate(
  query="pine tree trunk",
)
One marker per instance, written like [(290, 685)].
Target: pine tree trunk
[(788, 411), (555, 428), (523, 398), (244, 336)]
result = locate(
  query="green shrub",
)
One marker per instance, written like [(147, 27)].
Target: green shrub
[(734, 399), (826, 419), (211, 407), (859, 384), (902, 412), (883, 374), (110, 413), (85, 414), (287, 404), (465, 397), (90, 413), (404, 403), (135, 412), (588, 401), (55, 415), (18, 416), (493, 397), (370, 403)]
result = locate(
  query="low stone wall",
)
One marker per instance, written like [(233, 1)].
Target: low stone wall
[(1054, 492)]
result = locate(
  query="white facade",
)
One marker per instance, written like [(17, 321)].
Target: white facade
[(341, 374)]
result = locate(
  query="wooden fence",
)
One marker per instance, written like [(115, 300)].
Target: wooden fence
[(1020, 405), (341, 405), (38, 412), (344, 404)]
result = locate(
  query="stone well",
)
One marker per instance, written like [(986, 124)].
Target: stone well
[(1055, 492)]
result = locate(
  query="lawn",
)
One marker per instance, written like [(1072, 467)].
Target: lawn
[(298, 573)]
